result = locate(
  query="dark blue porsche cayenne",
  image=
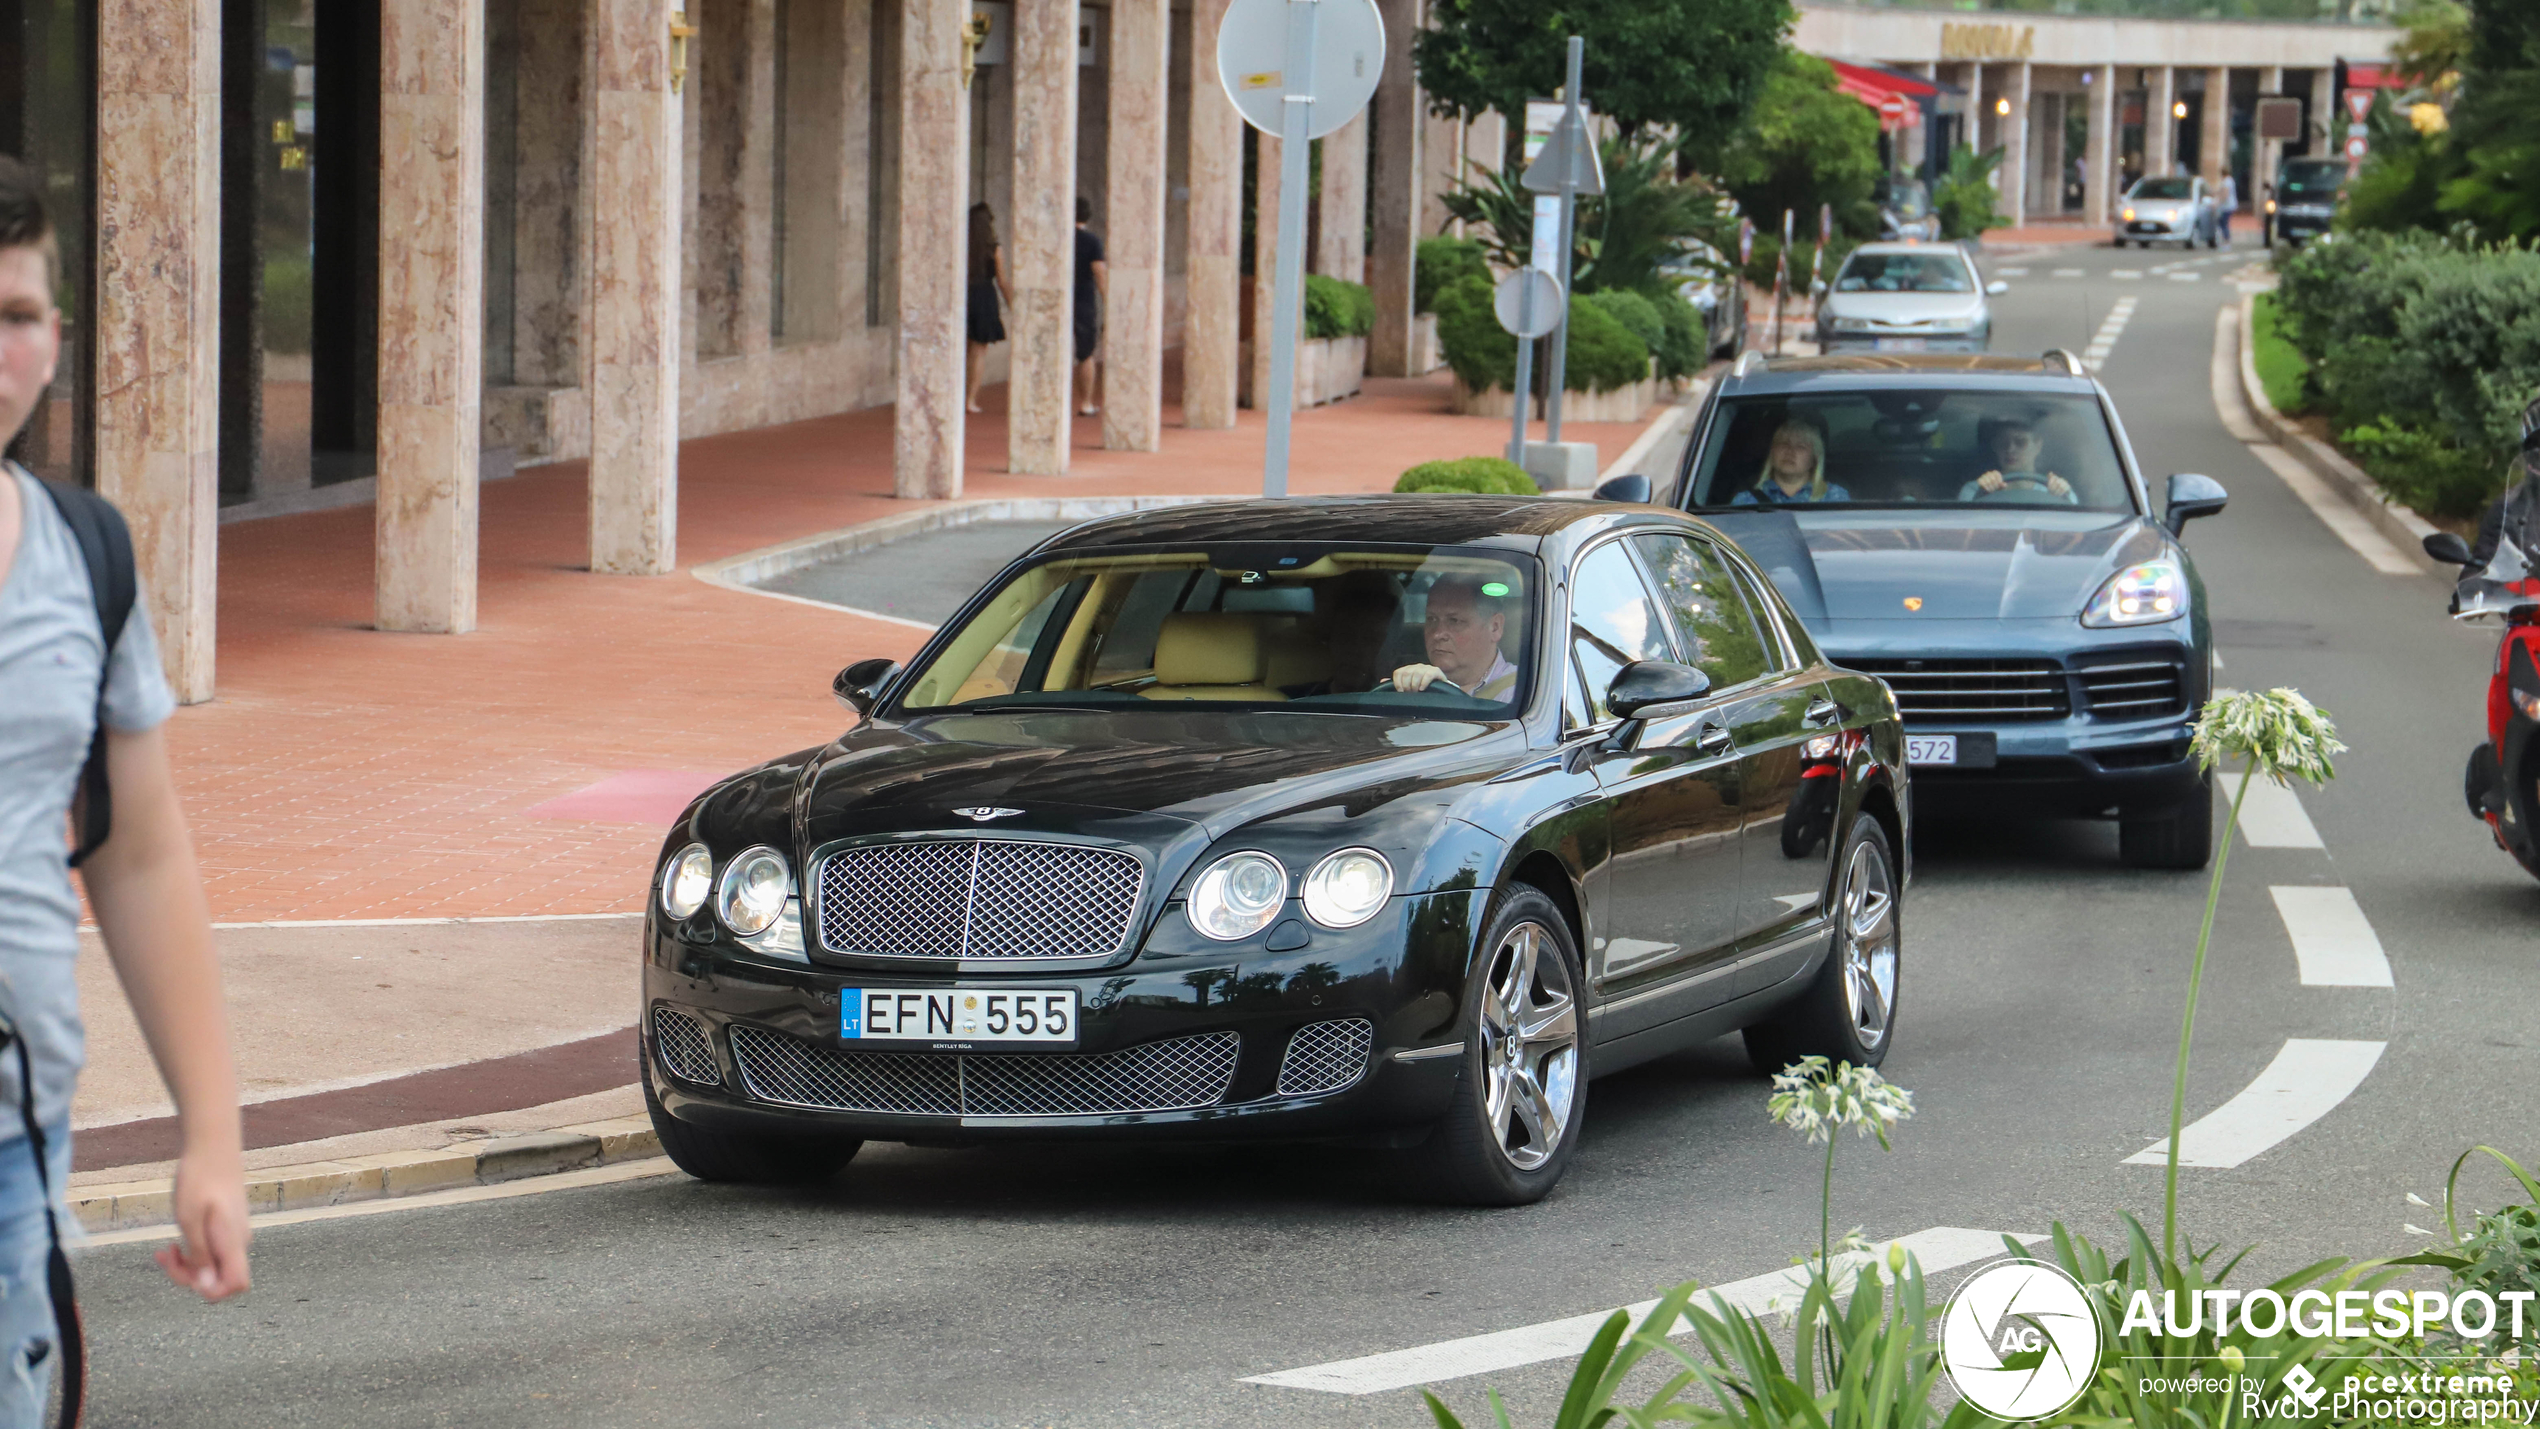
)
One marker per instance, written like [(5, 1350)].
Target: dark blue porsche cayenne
[(1974, 530)]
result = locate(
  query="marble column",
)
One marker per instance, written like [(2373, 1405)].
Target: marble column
[(2328, 117), (1265, 264), (431, 312), (635, 290), (2012, 178), (1395, 191), (1441, 165), (2270, 152), (158, 310), (1133, 226), (1213, 262), (2213, 148), (1041, 260), (2099, 162), (928, 424), (1975, 106), (1340, 249), (2160, 126), (1485, 146), (2046, 182)]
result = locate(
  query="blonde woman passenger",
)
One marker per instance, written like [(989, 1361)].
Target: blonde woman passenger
[(1794, 470)]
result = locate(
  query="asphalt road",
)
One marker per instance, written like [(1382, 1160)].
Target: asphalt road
[(1091, 1287)]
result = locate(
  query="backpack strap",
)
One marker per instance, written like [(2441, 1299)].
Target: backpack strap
[(105, 544)]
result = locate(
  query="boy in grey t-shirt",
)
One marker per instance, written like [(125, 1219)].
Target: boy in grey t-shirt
[(141, 881)]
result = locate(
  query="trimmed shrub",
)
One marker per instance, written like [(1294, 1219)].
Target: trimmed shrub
[(1684, 342), (1442, 263), (1491, 475), (1637, 314), (1604, 354), (1336, 307)]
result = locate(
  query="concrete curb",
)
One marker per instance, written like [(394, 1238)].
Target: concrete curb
[(127, 1205), (2401, 526)]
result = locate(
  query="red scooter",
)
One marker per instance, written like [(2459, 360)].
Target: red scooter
[(2502, 783)]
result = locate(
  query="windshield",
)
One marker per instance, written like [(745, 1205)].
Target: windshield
[(2164, 188), (1904, 273), (2314, 180), (1904, 446), (1378, 630), (1908, 198)]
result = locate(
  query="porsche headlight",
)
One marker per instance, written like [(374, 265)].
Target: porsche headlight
[(1237, 896), (754, 891), (686, 880), (1347, 888), (2139, 595)]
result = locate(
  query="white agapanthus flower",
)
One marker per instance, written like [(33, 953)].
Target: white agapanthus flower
[(1818, 1099), (2284, 735)]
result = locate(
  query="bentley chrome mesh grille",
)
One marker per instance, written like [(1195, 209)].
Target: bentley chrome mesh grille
[(685, 1050), (1173, 1075), (1000, 900), (1325, 1056)]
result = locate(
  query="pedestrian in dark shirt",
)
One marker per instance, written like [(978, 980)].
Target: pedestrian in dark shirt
[(987, 285), (1093, 284)]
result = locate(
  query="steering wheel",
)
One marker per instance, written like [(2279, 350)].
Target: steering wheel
[(1388, 684)]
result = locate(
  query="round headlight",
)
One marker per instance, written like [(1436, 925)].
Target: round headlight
[(1237, 896), (754, 889), (686, 880), (1347, 888), (2139, 595)]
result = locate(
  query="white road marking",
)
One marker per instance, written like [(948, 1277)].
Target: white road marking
[(2110, 329), (2332, 940), (2010, 272), (2070, 273), (2305, 1082), (2272, 817), (2338, 515), (2125, 272), (457, 1196), (1940, 1248), (2187, 277)]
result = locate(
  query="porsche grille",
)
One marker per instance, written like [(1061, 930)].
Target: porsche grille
[(1972, 689), (1177, 1074), (980, 900)]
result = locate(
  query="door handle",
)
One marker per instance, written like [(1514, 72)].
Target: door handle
[(1713, 739), (1821, 712)]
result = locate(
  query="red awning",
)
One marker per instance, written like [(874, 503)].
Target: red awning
[(1876, 88), (2362, 74)]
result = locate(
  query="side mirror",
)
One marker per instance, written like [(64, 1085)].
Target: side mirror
[(2192, 496), (857, 684), (2451, 550), (1645, 684), (1816, 287), (1997, 287), (1633, 488)]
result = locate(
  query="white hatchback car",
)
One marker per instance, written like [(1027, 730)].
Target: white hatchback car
[(2171, 209), (1906, 297)]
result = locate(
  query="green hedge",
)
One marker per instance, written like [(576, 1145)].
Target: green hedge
[(1637, 314), (2422, 351), (1336, 307), (1441, 264), (1684, 343), (1488, 474), (1604, 354)]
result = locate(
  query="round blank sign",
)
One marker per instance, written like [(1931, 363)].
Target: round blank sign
[(1509, 302), (1252, 54)]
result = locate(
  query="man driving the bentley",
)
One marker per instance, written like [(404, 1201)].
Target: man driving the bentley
[(1466, 618)]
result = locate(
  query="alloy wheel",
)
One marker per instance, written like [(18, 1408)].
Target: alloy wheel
[(1869, 945), (1529, 1046)]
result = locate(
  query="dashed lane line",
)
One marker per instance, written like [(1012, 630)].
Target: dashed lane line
[(2071, 273), (2332, 940), (2271, 816), (2187, 277), (1938, 1249), (2010, 272), (2305, 1082), (2110, 329), (2125, 272)]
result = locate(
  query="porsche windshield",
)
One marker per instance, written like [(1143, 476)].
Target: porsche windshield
[(1909, 447), (1380, 630)]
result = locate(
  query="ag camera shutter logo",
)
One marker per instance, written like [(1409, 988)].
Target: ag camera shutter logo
[(2020, 1340)]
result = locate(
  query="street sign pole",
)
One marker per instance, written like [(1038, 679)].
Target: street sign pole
[(1573, 116), (1287, 294), (1525, 373)]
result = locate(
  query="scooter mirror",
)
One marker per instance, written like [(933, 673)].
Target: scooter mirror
[(2451, 550)]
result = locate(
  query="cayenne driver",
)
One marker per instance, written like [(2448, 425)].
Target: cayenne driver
[(1385, 818)]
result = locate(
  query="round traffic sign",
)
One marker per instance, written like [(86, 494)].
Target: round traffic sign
[(1893, 108), (2355, 147), (1509, 302), (1252, 61)]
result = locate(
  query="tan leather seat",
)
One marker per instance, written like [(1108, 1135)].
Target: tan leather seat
[(1209, 655)]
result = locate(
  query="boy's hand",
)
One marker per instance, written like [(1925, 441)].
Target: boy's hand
[(210, 1253)]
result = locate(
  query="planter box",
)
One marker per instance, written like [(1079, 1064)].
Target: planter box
[(1327, 370), (1623, 404), (1426, 354)]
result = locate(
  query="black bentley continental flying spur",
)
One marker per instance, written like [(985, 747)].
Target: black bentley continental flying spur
[(1390, 820)]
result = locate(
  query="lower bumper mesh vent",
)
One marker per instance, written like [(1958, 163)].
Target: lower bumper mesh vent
[(1325, 1056), (685, 1049), (1177, 1074)]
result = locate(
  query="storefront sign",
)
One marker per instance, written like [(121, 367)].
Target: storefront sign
[(1987, 42)]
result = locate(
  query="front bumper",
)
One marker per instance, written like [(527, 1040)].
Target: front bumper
[(1401, 973), (1832, 341), (2300, 228)]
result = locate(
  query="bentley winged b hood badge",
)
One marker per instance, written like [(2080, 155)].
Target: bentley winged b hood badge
[(982, 813)]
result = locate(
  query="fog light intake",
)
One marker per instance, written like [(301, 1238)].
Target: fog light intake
[(1325, 1056)]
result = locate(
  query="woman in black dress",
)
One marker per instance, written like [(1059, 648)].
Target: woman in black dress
[(987, 285)]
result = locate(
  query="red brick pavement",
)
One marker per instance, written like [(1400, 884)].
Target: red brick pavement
[(345, 773)]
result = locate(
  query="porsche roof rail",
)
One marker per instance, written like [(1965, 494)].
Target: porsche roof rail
[(2071, 363), (1749, 361)]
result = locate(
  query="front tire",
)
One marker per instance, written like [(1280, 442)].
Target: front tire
[(1848, 1013), (2180, 837), (746, 1157), (1514, 1122)]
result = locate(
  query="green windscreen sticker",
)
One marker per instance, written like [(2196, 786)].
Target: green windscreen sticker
[(1495, 588)]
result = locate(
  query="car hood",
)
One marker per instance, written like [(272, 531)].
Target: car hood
[(1965, 564), (1906, 307)]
